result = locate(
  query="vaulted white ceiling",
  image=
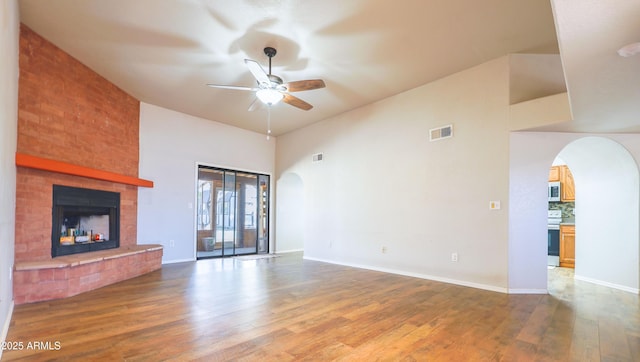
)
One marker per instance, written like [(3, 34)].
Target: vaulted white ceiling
[(164, 52), (603, 87)]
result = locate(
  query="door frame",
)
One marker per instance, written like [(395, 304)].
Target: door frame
[(270, 207)]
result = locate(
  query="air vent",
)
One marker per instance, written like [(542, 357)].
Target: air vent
[(436, 134), (317, 157)]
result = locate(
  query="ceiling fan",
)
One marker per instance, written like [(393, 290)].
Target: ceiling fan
[(271, 89)]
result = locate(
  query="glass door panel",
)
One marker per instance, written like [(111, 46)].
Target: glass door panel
[(210, 182), (229, 214), (263, 214), (247, 236), (233, 213)]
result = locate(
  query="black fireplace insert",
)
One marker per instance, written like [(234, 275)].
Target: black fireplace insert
[(84, 220)]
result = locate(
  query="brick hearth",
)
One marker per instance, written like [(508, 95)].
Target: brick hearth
[(73, 274), (69, 113)]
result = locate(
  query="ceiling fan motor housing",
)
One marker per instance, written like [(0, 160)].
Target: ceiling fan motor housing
[(275, 79), (270, 52)]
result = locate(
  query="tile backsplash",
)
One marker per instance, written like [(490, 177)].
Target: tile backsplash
[(566, 207)]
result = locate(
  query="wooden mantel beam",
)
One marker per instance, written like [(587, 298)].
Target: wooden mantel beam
[(46, 164)]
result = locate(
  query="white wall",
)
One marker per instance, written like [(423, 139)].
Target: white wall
[(383, 184), (9, 37), (290, 213), (612, 220), (172, 144), (531, 156)]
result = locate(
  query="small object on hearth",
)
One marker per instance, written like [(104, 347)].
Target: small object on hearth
[(66, 240), (82, 239)]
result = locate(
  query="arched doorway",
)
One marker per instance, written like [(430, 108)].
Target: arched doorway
[(606, 209)]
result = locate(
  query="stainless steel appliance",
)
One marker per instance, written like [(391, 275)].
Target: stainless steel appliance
[(554, 191), (554, 218)]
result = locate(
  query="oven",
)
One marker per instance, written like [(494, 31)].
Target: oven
[(553, 245), (553, 237)]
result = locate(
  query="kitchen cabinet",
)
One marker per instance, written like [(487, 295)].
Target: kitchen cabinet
[(567, 188), (564, 176), (568, 246)]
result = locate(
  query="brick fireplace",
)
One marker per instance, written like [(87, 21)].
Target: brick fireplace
[(75, 125)]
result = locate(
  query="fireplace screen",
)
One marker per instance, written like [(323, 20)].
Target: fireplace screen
[(84, 220)]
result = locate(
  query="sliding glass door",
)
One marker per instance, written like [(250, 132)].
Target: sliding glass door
[(233, 213)]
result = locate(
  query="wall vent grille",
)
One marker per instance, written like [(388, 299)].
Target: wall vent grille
[(436, 134), (317, 157)]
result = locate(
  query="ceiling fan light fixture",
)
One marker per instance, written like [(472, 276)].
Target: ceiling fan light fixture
[(269, 96)]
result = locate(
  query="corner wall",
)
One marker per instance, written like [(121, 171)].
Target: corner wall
[(9, 38), (172, 144), (386, 198)]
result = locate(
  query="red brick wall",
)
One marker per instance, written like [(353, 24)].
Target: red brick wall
[(69, 113)]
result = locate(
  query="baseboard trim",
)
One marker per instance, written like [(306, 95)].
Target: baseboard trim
[(5, 327), (528, 291), (416, 275), (288, 251), (607, 284), (177, 261)]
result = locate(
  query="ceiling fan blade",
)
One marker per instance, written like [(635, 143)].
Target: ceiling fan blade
[(257, 71), (304, 85), (234, 87), (296, 102)]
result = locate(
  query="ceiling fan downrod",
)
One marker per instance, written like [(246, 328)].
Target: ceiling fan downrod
[(270, 52)]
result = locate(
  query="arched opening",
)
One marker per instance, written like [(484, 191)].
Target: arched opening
[(606, 212), (290, 212)]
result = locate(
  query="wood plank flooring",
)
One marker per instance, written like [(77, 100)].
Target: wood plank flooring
[(290, 309)]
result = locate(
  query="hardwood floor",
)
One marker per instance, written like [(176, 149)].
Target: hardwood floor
[(286, 309)]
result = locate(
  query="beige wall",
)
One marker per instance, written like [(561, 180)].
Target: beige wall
[(172, 145), (383, 184), (9, 25)]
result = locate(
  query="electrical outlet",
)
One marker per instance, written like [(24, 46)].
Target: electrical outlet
[(454, 257), (172, 243)]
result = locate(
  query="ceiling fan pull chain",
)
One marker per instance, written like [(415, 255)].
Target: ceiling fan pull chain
[(268, 121)]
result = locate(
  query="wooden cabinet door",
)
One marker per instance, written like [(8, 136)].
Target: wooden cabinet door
[(568, 189), (554, 174), (567, 246)]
